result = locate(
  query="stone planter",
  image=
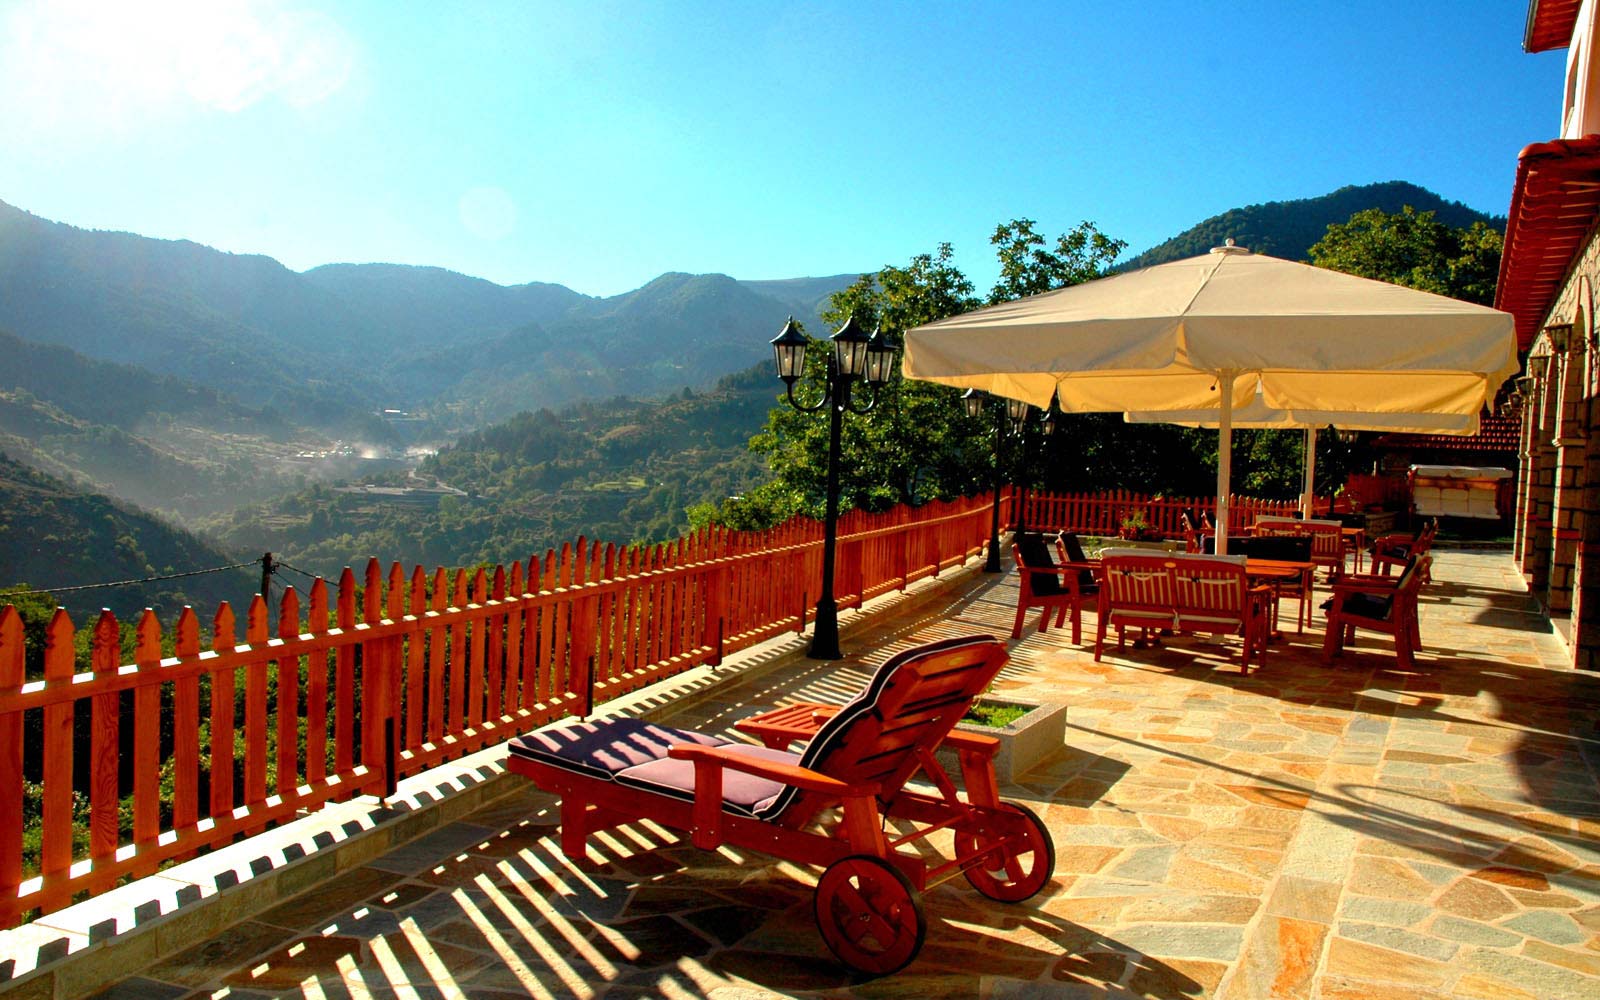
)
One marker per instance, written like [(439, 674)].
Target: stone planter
[(1023, 742)]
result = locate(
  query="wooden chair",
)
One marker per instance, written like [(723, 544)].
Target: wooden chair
[(1287, 548), (1185, 593), (1393, 550), (1327, 538), (1377, 604), (829, 805), (1043, 583), (1194, 539)]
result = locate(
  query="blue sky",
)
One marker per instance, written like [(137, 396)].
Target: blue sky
[(601, 144)]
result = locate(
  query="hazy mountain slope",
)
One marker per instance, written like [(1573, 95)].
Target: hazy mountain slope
[(678, 330), (1288, 228), (806, 297), (55, 535), (330, 347), (110, 393), (427, 308), (156, 440)]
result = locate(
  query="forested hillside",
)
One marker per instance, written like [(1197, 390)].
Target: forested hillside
[(53, 535), (1288, 228), (620, 470), (159, 441)]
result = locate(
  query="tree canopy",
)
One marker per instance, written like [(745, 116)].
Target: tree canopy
[(1414, 249)]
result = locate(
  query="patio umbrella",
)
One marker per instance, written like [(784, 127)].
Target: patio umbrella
[(1257, 415), (1204, 332)]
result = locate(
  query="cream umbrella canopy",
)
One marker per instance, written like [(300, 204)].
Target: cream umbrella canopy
[(1257, 415), (1203, 332)]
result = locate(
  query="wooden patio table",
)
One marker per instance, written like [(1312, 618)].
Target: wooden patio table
[(1278, 570)]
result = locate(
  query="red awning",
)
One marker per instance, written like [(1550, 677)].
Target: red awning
[(1554, 207), (1550, 24)]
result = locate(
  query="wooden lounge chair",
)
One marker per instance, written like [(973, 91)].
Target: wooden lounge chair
[(1378, 604), (827, 805), (1185, 593), (1045, 583)]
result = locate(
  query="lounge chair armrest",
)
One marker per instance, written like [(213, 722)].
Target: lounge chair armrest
[(862, 823), (789, 774), (975, 742)]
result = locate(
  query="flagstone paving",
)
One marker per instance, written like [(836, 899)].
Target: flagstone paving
[(1309, 831)]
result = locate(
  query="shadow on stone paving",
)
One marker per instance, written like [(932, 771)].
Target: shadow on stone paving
[(647, 914)]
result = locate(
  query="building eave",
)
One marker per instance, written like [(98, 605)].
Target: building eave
[(1554, 207)]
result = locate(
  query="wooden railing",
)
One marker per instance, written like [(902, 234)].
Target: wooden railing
[(363, 684), (1103, 513)]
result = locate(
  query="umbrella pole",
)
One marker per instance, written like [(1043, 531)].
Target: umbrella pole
[(1224, 457), (1306, 495)]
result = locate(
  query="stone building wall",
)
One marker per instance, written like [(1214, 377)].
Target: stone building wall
[(1558, 522)]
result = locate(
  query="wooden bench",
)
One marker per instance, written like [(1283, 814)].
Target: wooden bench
[(1184, 593)]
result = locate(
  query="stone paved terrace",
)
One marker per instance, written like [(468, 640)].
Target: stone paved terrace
[(1309, 831)]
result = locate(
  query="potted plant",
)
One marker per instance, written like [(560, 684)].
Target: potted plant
[(1027, 732)]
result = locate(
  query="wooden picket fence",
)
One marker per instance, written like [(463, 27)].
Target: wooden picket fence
[(1103, 513), (362, 685)]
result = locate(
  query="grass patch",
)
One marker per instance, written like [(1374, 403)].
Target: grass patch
[(994, 715)]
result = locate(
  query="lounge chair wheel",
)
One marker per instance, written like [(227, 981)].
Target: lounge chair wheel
[(1014, 868), (869, 914)]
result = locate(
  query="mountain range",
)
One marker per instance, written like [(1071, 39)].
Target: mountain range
[(1288, 228), (328, 348), (218, 388)]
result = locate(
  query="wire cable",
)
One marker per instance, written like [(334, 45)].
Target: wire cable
[(280, 564), (147, 579)]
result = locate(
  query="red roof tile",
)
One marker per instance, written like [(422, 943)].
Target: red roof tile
[(1550, 24), (1554, 207), (1494, 434)]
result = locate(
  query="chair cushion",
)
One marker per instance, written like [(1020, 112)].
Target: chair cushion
[(1036, 554), (741, 793), (602, 748), (1074, 548), (1289, 548), (1368, 605)]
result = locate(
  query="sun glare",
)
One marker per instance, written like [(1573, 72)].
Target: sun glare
[(74, 64)]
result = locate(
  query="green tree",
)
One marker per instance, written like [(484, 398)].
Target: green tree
[(918, 444), (1028, 267), (1414, 249)]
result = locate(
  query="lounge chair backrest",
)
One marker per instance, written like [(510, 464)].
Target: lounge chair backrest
[(913, 700)]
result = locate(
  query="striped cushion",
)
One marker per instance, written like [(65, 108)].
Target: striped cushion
[(602, 748), (742, 793)]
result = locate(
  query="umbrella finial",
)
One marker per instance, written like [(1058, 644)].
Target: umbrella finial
[(1228, 246)]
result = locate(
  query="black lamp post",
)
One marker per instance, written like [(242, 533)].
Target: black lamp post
[(972, 400), (1017, 412), (855, 355)]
